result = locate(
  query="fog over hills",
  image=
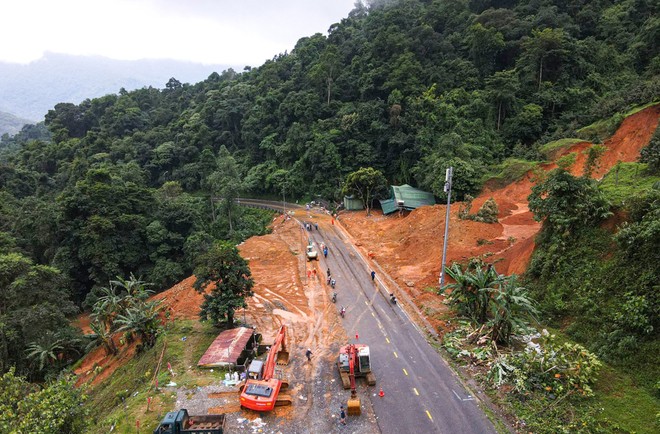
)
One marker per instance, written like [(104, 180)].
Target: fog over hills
[(29, 91)]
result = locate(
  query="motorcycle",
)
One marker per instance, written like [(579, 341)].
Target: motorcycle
[(342, 312), (334, 297), (393, 298), (333, 282)]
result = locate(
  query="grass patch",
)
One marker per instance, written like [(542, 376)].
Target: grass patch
[(510, 170), (601, 130), (122, 398), (550, 149), (625, 405), (626, 180), (640, 108)]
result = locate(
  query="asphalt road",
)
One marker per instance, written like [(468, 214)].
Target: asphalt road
[(422, 394)]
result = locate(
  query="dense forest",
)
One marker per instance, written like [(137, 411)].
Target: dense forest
[(123, 183)]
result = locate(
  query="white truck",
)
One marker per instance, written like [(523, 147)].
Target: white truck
[(312, 254)]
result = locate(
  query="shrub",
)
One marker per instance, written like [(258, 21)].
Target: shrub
[(552, 368)]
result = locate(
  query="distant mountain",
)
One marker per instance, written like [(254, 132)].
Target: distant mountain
[(29, 91), (10, 124)]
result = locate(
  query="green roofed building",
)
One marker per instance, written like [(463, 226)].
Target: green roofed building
[(351, 203), (408, 197)]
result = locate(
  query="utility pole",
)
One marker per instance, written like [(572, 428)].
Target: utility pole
[(448, 176)]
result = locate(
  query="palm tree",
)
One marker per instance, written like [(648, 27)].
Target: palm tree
[(107, 306), (141, 321), (102, 336), (472, 290), (134, 287), (46, 352), (509, 309)]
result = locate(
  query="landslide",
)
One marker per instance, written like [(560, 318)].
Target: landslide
[(409, 248)]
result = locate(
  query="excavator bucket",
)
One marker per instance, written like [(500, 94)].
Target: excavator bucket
[(354, 407), (282, 357)]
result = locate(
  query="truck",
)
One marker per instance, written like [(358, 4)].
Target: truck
[(180, 422), (312, 254)]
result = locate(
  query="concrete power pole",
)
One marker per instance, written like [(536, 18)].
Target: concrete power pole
[(448, 176)]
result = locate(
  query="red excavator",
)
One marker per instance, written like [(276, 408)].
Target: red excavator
[(355, 361), (263, 393)]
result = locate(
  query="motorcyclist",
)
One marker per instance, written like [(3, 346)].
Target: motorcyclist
[(342, 312), (328, 271), (333, 282), (334, 297), (393, 298)]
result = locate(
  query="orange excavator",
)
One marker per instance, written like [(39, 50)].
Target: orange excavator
[(263, 393), (355, 360)]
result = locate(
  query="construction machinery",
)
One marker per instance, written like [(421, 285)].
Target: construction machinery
[(180, 422), (355, 361), (263, 393)]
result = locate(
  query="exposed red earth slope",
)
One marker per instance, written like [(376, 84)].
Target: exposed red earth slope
[(409, 248)]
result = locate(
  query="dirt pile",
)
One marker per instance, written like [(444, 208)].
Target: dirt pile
[(410, 247)]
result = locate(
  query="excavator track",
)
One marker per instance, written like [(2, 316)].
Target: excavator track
[(283, 399), (371, 379)]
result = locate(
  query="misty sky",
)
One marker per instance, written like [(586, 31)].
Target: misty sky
[(237, 33)]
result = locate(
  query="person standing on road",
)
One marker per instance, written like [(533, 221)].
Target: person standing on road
[(373, 275), (342, 415), (308, 354)]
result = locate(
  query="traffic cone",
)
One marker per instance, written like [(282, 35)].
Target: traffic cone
[(357, 337), (381, 393)]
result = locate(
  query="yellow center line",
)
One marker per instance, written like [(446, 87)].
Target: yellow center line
[(373, 314), (416, 392), (388, 340), (429, 415), (396, 355), (366, 302), (404, 371)]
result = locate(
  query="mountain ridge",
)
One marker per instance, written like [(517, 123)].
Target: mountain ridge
[(30, 90)]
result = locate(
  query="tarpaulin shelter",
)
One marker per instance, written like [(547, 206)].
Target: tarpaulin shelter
[(406, 197)]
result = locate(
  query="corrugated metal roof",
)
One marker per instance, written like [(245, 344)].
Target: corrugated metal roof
[(226, 348), (388, 206), (412, 198)]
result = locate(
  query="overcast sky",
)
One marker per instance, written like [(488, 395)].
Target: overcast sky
[(237, 32)]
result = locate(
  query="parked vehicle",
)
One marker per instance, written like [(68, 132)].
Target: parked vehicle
[(355, 361), (263, 393), (312, 254), (180, 422)]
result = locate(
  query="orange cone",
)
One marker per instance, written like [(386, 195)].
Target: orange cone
[(381, 393)]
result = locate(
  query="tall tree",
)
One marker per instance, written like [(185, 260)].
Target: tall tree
[(224, 268), (225, 183), (365, 183)]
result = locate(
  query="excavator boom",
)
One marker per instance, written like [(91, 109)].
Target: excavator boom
[(264, 394), (354, 405)]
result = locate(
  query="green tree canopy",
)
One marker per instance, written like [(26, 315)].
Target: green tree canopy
[(565, 203), (366, 183), (223, 267)]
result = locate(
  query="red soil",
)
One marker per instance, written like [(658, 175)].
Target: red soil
[(408, 248)]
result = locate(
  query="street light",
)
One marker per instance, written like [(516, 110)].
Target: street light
[(448, 176)]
